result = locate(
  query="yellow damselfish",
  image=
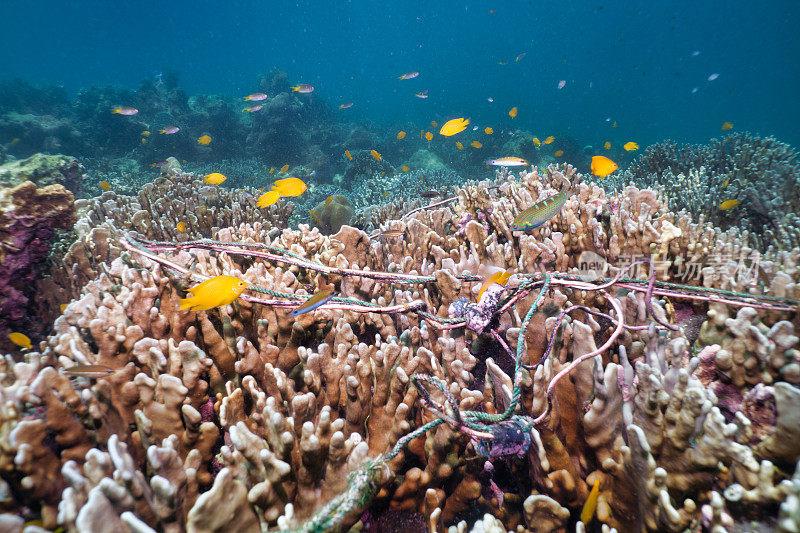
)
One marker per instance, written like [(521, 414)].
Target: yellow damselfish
[(20, 339), (500, 278), (181, 226), (428, 136), (591, 502), (559, 153), (476, 144), (536, 141), (488, 130), (401, 135), (726, 126), (729, 204), (268, 198), (290, 187), (215, 178), (404, 168), (549, 140), (106, 186), (602, 166), (284, 168), (451, 127), (205, 140), (348, 155), (215, 292), (607, 145), (375, 155), (513, 112), (630, 146)]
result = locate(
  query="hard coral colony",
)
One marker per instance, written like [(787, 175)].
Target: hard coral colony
[(542, 350)]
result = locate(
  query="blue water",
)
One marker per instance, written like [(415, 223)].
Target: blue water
[(630, 62)]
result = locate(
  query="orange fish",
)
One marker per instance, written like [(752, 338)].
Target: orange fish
[(602, 166), (272, 170), (476, 144), (500, 278), (559, 153), (205, 140), (549, 140), (536, 141), (106, 186), (215, 178), (607, 145), (726, 126), (401, 135), (404, 168), (181, 226), (348, 155), (459, 145), (488, 130), (434, 125), (375, 155), (284, 168), (428, 136), (215, 292), (513, 112)]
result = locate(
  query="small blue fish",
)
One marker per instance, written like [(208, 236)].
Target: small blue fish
[(321, 298), (540, 212)]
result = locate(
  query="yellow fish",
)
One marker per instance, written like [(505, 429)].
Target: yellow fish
[(215, 292), (290, 187), (181, 226), (421, 134), (316, 218), (549, 140), (513, 112), (559, 153), (630, 146), (591, 502), (15, 140), (488, 131), (145, 133), (348, 155), (726, 183), (614, 125), (63, 307), (404, 168), (476, 144), (272, 170), (284, 168), (451, 127), (602, 166), (729, 204), (537, 142), (434, 125), (268, 198), (21, 340), (215, 178), (428, 136), (500, 277), (205, 140), (459, 145), (401, 135), (106, 186), (375, 155), (726, 126), (328, 200), (607, 145)]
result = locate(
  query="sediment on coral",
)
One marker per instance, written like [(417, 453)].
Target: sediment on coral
[(407, 395)]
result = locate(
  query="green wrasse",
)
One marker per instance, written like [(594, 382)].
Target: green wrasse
[(540, 212)]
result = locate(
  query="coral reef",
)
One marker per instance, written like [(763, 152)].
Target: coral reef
[(29, 219), (762, 173), (406, 398)]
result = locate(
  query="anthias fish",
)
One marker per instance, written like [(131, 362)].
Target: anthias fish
[(508, 162), (540, 212), (321, 298)]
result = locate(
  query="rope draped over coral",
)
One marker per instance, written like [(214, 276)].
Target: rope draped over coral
[(490, 433)]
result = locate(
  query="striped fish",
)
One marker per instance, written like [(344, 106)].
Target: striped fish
[(321, 298), (540, 212)]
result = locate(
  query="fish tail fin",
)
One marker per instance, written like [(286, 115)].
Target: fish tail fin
[(186, 303)]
